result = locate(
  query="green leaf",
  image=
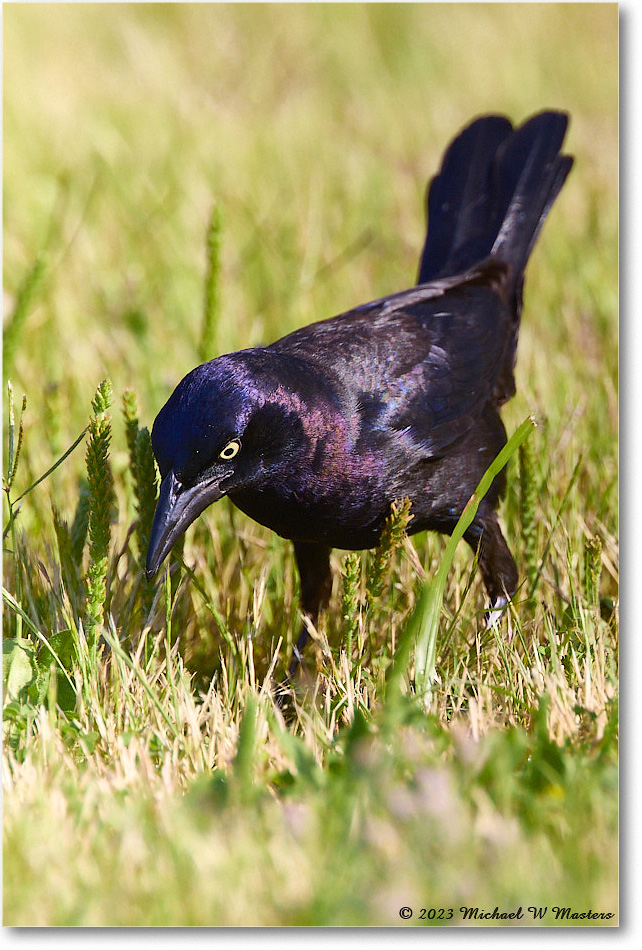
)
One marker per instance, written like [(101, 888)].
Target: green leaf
[(11, 602), (18, 669)]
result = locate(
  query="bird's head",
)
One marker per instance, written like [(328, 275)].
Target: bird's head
[(227, 426)]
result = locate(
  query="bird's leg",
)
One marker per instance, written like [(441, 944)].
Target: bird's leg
[(313, 561), (495, 562)]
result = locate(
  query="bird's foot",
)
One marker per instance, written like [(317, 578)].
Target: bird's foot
[(496, 612)]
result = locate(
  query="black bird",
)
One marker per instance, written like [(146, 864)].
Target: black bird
[(316, 434)]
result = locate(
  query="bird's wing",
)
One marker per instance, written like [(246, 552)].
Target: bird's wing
[(439, 398), (420, 365)]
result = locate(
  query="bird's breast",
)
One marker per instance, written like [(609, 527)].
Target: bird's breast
[(329, 494)]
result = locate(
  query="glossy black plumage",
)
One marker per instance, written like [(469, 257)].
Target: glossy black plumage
[(315, 435)]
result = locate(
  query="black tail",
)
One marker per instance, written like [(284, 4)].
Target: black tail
[(492, 195)]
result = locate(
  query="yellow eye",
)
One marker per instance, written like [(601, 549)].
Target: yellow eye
[(231, 449)]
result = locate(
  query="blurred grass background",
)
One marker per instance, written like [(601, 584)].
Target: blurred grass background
[(314, 129)]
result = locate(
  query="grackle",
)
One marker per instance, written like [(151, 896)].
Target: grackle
[(317, 434)]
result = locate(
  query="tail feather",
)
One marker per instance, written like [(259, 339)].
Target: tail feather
[(492, 195), (460, 202), (529, 174)]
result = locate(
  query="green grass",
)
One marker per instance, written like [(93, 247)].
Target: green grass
[(184, 180)]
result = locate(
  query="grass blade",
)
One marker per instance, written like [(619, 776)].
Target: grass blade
[(429, 607), (53, 467)]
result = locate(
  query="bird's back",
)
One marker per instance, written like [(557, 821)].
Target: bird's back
[(421, 365)]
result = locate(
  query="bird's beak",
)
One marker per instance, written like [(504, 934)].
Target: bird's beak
[(176, 509)]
